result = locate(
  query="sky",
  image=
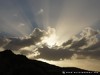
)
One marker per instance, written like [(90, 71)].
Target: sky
[(61, 32)]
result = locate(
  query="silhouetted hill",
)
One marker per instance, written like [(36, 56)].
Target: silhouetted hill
[(11, 64)]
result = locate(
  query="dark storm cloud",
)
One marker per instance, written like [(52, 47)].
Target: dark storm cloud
[(32, 39), (77, 44), (90, 54), (68, 42), (54, 54), (87, 36), (3, 41), (94, 47)]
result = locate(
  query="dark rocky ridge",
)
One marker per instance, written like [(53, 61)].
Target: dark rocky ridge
[(11, 64)]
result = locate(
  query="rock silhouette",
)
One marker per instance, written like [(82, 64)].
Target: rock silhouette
[(11, 64)]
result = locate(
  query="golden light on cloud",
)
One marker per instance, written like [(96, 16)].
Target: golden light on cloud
[(76, 63), (52, 23), (47, 61), (50, 40)]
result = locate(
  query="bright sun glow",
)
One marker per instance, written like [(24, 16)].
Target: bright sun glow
[(51, 40), (47, 61)]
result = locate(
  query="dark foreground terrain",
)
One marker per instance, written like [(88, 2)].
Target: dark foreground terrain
[(11, 64)]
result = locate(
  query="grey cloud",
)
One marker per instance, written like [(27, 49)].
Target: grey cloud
[(89, 32), (94, 47), (26, 52), (3, 41), (91, 44), (32, 39), (87, 38), (68, 42), (77, 44), (54, 54), (90, 54)]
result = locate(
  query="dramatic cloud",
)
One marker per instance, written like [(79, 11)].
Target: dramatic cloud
[(3, 41), (90, 54), (68, 42), (87, 38), (91, 37), (54, 53), (85, 46), (94, 47), (18, 43), (42, 44), (89, 32), (77, 44)]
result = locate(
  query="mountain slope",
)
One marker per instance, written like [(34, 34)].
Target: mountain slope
[(11, 64)]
